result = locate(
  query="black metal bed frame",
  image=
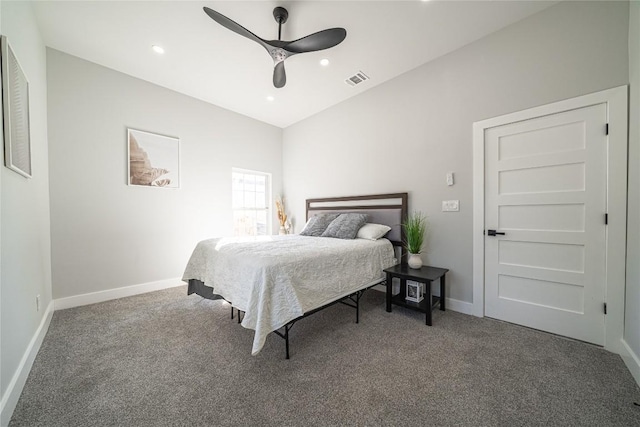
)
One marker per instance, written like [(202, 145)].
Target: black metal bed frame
[(314, 206), (354, 298)]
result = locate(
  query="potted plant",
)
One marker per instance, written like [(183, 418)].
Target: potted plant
[(414, 229)]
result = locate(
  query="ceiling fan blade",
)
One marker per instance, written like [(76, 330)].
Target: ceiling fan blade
[(234, 26), (317, 41), (279, 76)]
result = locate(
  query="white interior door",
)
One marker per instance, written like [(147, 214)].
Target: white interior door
[(545, 189)]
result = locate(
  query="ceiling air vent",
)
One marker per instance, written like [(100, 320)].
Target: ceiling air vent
[(356, 79)]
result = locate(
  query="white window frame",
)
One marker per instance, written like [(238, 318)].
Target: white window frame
[(268, 197)]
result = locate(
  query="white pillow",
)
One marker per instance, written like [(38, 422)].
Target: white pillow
[(372, 231)]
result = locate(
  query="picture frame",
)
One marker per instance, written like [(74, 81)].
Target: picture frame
[(15, 112), (153, 160), (415, 291)]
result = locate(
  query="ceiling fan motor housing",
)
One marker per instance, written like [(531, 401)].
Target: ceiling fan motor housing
[(278, 55)]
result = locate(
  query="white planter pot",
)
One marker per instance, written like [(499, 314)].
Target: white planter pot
[(414, 261), (282, 231)]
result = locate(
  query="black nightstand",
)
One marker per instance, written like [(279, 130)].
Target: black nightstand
[(423, 275)]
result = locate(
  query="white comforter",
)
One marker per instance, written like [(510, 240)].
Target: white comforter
[(275, 279)]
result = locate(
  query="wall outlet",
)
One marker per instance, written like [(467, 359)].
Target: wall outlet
[(37, 302), (450, 205)]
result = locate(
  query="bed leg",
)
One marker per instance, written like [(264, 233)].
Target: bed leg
[(286, 339), (239, 319), (358, 296), (231, 312)]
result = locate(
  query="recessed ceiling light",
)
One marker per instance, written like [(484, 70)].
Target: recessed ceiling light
[(270, 98), (157, 49), (324, 62)]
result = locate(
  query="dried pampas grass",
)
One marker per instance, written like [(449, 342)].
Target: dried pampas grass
[(282, 217)]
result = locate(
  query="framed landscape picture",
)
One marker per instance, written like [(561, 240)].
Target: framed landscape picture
[(153, 160), (15, 107)]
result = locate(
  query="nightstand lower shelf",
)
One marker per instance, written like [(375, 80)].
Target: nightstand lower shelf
[(419, 306)]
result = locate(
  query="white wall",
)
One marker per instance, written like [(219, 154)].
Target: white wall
[(404, 135), (106, 234), (25, 247), (632, 309)]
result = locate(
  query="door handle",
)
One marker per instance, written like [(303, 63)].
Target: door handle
[(494, 233)]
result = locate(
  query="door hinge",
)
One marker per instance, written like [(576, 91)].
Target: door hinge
[(606, 129), (605, 308), (606, 219)]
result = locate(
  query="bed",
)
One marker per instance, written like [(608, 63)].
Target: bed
[(277, 280)]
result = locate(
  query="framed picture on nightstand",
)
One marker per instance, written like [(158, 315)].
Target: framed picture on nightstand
[(415, 291)]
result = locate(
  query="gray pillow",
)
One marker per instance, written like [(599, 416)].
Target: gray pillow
[(346, 226), (317, 224)]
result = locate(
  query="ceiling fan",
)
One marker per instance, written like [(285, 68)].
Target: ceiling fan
[(280, 50)]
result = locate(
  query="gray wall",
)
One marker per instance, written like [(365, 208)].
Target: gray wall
[(25, 248), (632, 309), (406, 134), (106, 234)]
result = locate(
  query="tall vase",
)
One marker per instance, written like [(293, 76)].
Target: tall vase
[(282, 230), (414, 261)]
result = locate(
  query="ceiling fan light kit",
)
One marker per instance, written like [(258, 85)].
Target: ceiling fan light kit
[(280, 50)]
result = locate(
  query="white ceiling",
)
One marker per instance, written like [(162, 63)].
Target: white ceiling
[(206, 61)]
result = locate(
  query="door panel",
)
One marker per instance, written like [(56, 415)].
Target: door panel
[(541, 179), (552, 217), (545, 188), (550, 256), (551, 140), (545, 293)]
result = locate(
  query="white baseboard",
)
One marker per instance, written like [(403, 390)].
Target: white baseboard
[(631, 360), (459, 306), (14, 390), (110, 294)]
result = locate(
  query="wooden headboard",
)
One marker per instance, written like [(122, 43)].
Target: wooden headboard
[(387, 209)]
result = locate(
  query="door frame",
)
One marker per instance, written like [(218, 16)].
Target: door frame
[(617, 112)]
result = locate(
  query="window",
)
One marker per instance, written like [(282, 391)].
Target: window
[(251, 192)]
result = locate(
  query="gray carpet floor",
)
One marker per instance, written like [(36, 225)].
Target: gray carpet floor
[(168, 359)]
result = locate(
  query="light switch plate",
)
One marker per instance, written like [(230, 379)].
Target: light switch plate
[(450, 178), (450, 205)]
